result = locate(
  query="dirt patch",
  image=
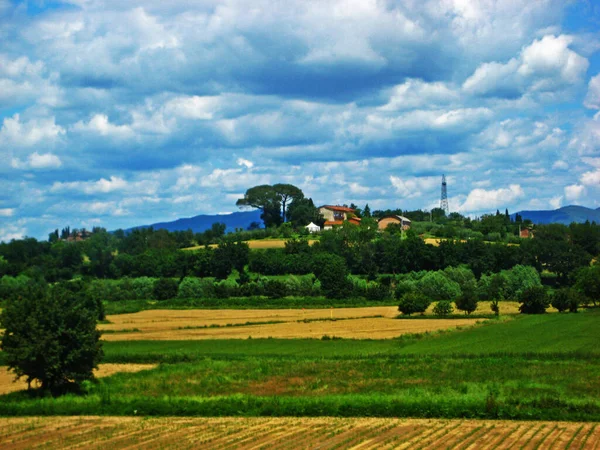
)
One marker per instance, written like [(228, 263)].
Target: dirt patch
[(7, 383), (257, 244), (322, 432)]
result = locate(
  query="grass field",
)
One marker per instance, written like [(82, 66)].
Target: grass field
[(8, 383), (291, 433), (525, 367)]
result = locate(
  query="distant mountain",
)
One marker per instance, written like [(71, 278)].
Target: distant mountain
[(564, 215), (202, 223)]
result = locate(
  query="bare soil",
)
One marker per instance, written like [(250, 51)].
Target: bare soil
[(279, 433)]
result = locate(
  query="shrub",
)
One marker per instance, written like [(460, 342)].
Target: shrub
[(226, 288), (588, 283), (332, 272), (443, 308), (143, 288), (275, 289), (165, 289), (404, 287), (566, 299), (467, 301), (51, 336), (534, 300), (437, 286), (377, 292), (190, 287), (413, 302)]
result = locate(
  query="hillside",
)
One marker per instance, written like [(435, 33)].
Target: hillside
[(564, 215), (203, 222)]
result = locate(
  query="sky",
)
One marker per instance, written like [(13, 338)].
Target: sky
[(122, 113)]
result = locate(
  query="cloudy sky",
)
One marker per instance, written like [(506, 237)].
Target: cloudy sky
[(120, 113)]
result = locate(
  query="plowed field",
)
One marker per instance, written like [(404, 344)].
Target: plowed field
[(291, 433), (7, 383), (373, 323)]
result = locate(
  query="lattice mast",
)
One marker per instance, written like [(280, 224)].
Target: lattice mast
[(444, 199)]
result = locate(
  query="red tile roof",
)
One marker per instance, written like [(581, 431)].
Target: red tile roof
[(333, 222), (339, 208)]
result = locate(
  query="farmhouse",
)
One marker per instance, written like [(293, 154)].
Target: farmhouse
[(336, 215), (385, 221)]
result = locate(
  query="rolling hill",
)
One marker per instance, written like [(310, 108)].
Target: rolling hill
[(202, 223), (564, 215)]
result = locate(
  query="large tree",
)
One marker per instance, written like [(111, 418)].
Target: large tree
[(274, 201), (50, 336), (287, 193)]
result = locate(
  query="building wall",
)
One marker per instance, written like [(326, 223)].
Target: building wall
[(383, 223), (326, 213)]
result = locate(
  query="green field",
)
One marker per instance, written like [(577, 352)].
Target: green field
[(529, 367)]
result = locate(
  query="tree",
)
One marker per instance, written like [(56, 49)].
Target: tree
[(413, 302), (437, 286), (367, 211), (566, 299), (50, 336), (443, 308), (287, 193), (534, 300), (467, 300), (165, 289), (303, 211), (265, 198), (332, 272), (588, 282)]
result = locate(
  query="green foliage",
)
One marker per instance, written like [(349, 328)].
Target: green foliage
[(520, 278), (461, 275), (587, 282), (191, 287), (50, 336), (437, 286), (165, 289), (566, 299), (413, 302), (377, 291), (404, 287), (443, 308), (534, 300), (332, 272), (467, 300)]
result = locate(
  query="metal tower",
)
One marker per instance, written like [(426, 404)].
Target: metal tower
[(444, 199)]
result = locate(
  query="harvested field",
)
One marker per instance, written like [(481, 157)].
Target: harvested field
[(7, 383), (258, 244), (372, 323), (323, 433)]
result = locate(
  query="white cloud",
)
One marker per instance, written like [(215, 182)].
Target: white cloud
[(245, 163), (417, 93), (546, 65), (193, 107), (411, 187), (99, 124), (37, 161), (486, 200), (6, 212), (574, 192), (560, 165), (556, 202), (104, 186), (26, 134), (591, 178), (592, 99), (11, 232)]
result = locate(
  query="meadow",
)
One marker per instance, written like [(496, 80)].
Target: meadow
[(543, 367)]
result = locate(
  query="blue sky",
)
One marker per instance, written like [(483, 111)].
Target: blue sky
[(120, 113)]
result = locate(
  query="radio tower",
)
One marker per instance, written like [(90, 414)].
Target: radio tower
[(444, 199)]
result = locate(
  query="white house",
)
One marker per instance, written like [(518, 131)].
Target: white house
[(312, 228)]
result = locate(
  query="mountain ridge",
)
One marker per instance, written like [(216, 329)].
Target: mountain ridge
[(203, 222), (565, 215)]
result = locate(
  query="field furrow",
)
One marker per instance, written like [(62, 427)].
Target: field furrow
[(117, 433)]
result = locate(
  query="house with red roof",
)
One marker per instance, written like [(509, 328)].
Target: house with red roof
[(336, 215)]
